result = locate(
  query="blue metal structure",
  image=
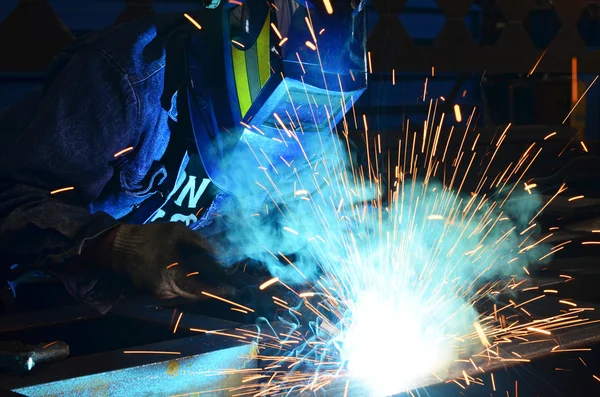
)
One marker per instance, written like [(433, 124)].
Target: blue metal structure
[(188, 375), (143, 363)]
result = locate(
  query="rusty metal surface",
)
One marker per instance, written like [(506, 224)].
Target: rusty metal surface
[(195, 369), (183, 365), (192, 363)]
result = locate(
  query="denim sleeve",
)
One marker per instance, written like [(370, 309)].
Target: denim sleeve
[(87, 113)]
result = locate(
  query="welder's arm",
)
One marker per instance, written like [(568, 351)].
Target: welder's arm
[(86, 114)]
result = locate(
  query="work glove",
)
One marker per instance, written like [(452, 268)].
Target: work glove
[(167, 259)]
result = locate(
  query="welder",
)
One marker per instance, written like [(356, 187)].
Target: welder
[(114, 172)]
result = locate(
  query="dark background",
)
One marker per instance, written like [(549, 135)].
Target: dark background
[(482, 52)]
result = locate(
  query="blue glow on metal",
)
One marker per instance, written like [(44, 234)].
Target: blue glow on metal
[(166, 378)]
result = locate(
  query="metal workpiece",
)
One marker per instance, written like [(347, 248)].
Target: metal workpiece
[(165, 378), (561, 344), (188, 365), (210, 364), (142, 347), (573, 335)]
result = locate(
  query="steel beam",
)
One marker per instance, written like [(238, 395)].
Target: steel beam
[(198, 367)]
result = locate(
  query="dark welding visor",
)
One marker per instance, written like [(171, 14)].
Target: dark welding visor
[(292, 69)]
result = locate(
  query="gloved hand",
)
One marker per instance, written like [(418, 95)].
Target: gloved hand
[(164, 258)]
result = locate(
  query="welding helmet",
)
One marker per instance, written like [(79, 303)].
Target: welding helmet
[(270, 80)]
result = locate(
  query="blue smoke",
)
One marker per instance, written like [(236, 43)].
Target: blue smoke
[(404, 260)]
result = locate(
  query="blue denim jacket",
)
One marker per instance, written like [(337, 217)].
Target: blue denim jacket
[(107, 92)]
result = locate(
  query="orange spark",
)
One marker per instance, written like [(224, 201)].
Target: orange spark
[(192, 274), (582, 96), (311, 45), (301, 64), (530, 289), (227, 301), (541, 331), (576, 198), (571, 350), (529, 187), (177, 323), (64, 189), (276, 31), (328, 6), (466, 378), (484, 340), (550, 253), (206, 331), (193, 21), (560, 190), (537, 63), (457, 113), (584, 147), (455, 381), (291, 264), (565, 302), (310, 28), (549, 135), (122, 152), (529, 301), (172, 265), (268, 283)]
